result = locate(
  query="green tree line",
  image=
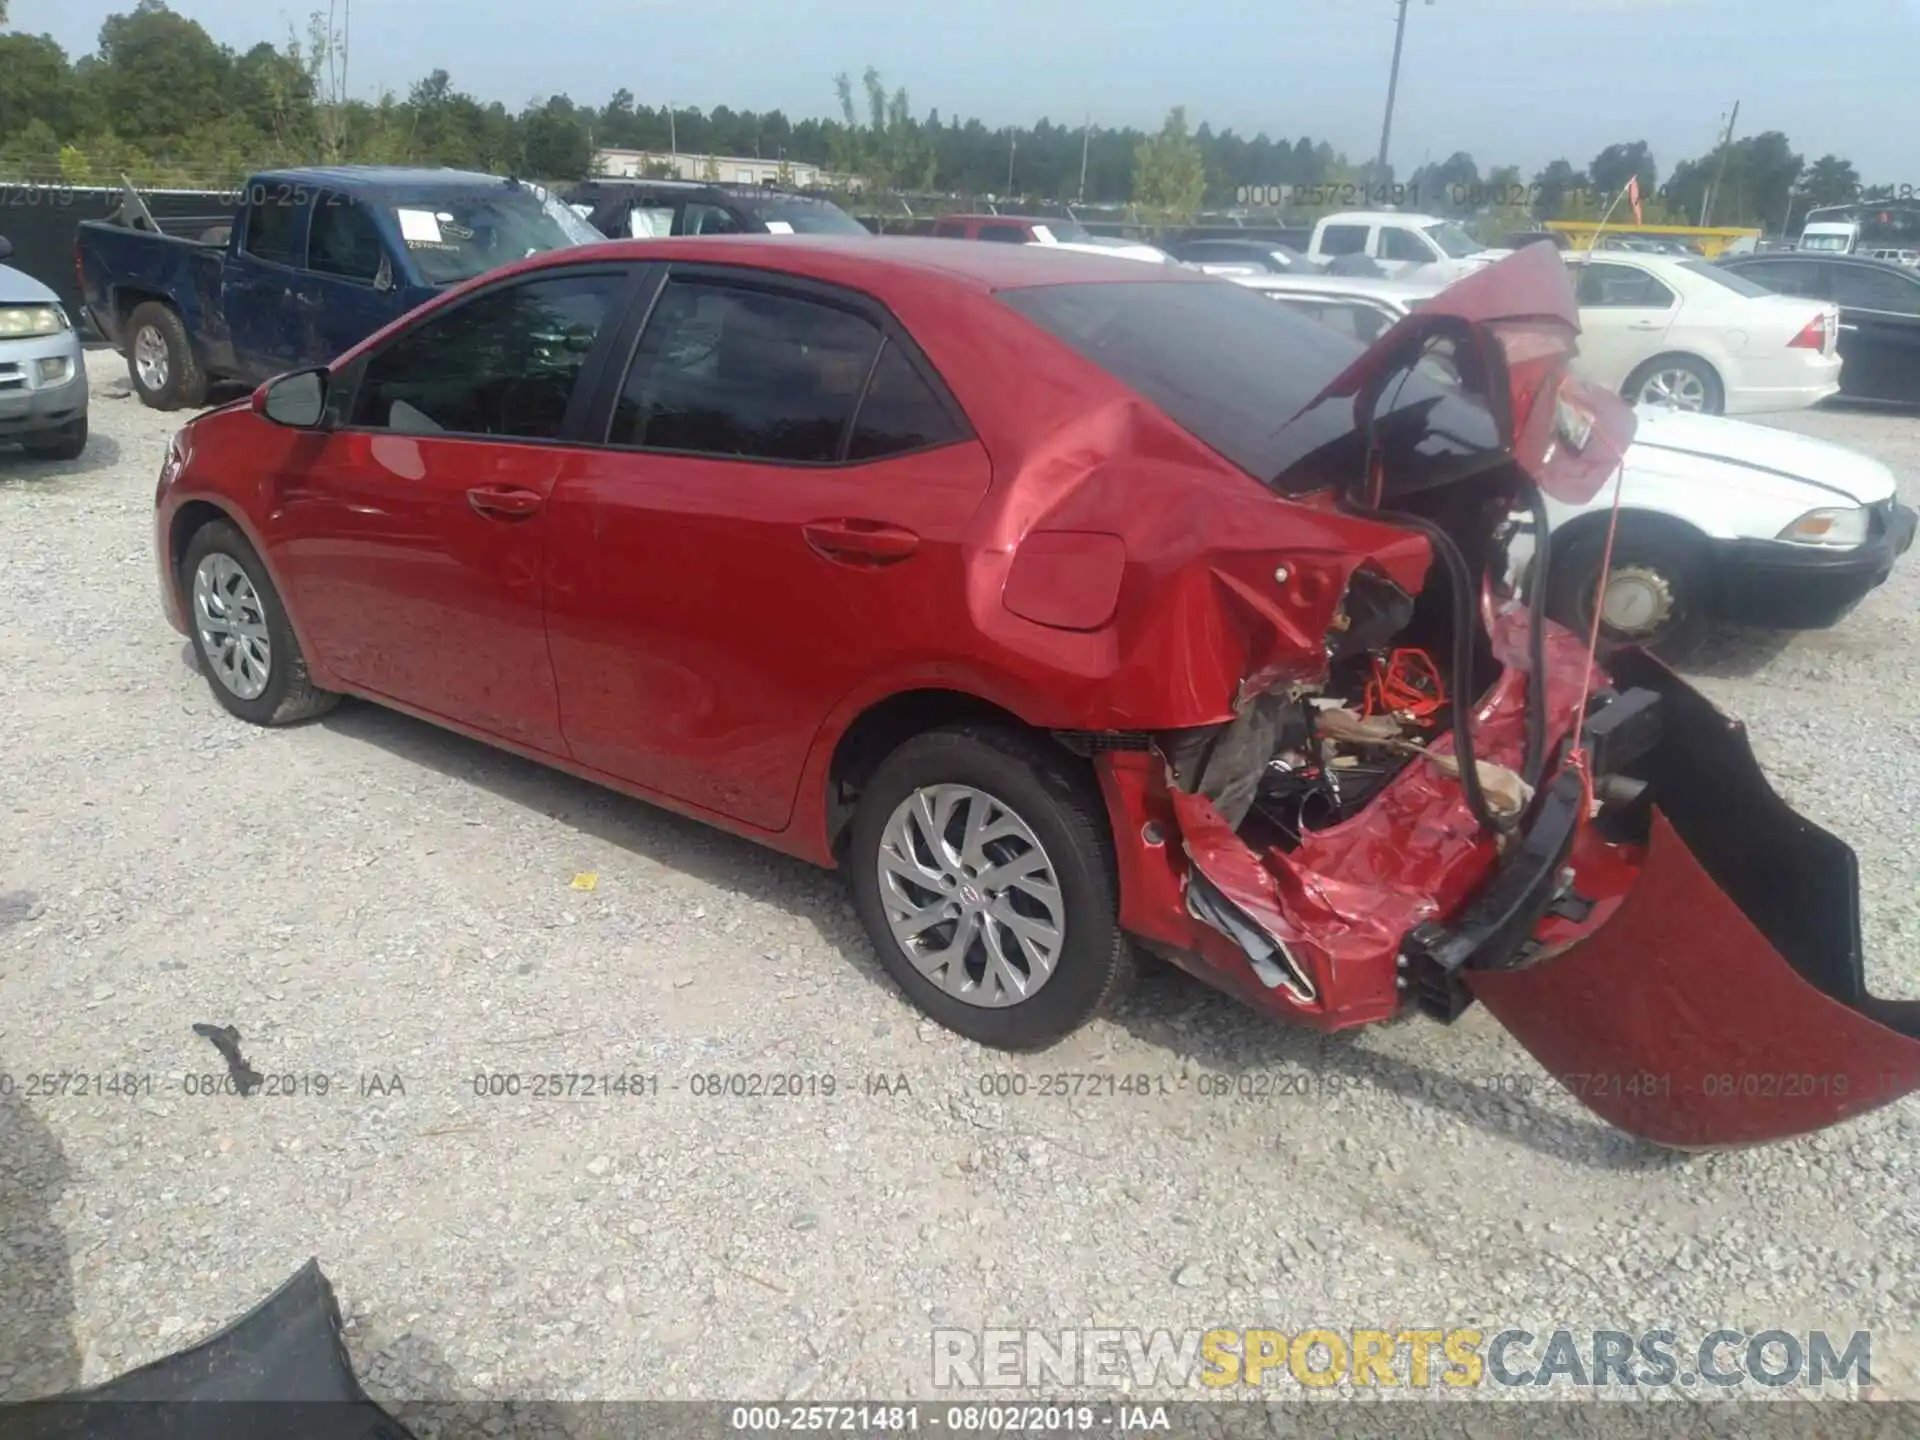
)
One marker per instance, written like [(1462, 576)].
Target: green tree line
[(164, 102)]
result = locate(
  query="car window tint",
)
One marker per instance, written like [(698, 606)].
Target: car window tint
[(273, 226), (1617, 286), (344, 241), (1349, 317), (1860, 287), (899, 413), (1005, 234), (950, 230), (1343, 240), (503, 364), (1783, 277), (705, 219), (746, 374), (1229, 366), (1401, 245)]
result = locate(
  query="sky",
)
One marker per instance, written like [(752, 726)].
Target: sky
[(1509, 81)]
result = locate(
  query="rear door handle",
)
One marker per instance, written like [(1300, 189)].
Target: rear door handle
[(1845, 326), (1646, 325), (503, 502), (860, 542)]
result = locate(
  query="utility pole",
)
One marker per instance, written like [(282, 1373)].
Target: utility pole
[(673, 137), (1013, 144), (1086, 137), (1720, 171), (1393, 86)]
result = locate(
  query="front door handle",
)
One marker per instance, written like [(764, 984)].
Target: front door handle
[(860, 542), (1646, 325), (503, 502), (1845, 326)]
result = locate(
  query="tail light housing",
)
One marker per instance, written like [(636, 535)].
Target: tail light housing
[(1816, 334)]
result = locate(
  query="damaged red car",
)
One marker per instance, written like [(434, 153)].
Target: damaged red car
[(1069, 606)]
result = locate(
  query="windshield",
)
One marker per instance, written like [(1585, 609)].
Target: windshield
[(1826, 242), (798, 215), (456, 237), (1454, 243), (1236, 371), (1739, 284)]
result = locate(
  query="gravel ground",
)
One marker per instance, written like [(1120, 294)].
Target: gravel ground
[(369, 898)]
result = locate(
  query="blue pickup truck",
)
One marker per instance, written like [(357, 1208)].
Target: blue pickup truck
[(312, 262)]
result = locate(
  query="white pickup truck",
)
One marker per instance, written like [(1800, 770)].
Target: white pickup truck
[(1423, 248)]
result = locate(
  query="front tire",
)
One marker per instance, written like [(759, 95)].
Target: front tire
[(66, 443), (1658, 595), (241, 635), (160, 359), (1678, 381), (984, 874)]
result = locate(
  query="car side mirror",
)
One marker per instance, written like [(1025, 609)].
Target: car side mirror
[(383, 277), (6, 248), (297, 400)]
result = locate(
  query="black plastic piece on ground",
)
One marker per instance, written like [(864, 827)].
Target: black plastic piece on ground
[(279, 1370)]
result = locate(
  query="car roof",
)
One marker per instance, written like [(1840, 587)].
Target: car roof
[(1818, 257), (412, 179), (860, 264)]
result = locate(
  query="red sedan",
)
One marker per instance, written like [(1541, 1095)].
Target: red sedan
[(1069, 606)]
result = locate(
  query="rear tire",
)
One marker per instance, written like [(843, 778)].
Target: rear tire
[(66, 443), (231, 608), (160, 359), (1682, 381), (1660, 589), (1039, 811)]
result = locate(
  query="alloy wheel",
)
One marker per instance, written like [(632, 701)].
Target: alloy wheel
[(1677, 388), (971, 896), (232, 624), (150, 358)]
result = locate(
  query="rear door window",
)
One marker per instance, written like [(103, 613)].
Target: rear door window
[(745, 374), (1397, 244), (274, 228), (1005, 234), (1344, 240), (1608, 286), (1859, 287)]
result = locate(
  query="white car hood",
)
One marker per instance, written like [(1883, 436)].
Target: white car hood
[(1846, 473)]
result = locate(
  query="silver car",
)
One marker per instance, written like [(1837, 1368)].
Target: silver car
[(43, 373)]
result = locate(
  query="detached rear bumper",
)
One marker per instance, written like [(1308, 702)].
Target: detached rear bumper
[(1802, 587)]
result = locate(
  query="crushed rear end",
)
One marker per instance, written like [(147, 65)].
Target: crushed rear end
[(1611, 875)]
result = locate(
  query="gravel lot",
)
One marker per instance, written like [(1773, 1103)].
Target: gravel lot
[(367, 896)]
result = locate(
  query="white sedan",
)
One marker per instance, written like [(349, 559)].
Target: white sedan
[(1721, 519), (1718, 518), (1687, 334)]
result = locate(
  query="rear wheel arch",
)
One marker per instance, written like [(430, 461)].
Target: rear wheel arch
[(1717, 383), (887, 724)]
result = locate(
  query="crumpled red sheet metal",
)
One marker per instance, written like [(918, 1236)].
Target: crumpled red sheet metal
[(1678, 1022)]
